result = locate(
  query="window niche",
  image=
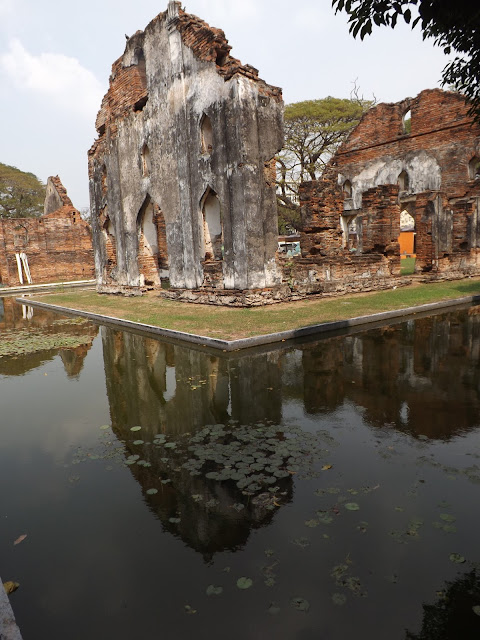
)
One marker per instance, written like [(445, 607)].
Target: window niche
[(146, 161), (474, 168), (206, 135), (347, 189), (407, 122), (404, 181), (212, 226)]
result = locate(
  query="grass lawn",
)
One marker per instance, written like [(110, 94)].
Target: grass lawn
[(230, 324), (407, 266)]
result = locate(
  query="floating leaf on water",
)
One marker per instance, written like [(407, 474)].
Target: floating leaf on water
[(129, 462), (166, 481), (20, 539), (244, 583), (311, 523), (399, 509), (239, 506), (174, 520), (300, 604), (10, 587), (352, 506), (212, 590), (135, 428), (303, 543), (273, 609), (170, 445), (446, 517), (270, 581), (476, 609), (104, 427), (339, 598), (189, 609), (138, 442), (151, 492), (326, 467), (457, 558)]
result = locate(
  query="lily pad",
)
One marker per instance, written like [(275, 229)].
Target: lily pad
[(352, 506), (212, 590), (135, 428), (300, 604), (138, 442), (104, 427), (273, 609), (244, 583), (151, 492), (476, 609), (457, 558)]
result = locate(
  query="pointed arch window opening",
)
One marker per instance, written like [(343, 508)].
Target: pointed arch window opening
[(474, 168), (407, 122), (404, 181), (212, 226)]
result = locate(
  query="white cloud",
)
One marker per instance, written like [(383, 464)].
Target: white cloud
[(6, 7), (53, 76)]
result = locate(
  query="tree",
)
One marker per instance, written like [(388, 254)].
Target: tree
[(454, 26), (314, 129), (22, 195)]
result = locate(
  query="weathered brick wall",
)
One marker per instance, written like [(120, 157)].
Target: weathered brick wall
[(439, 190), (58, 245), (328, 264), (440, 126)]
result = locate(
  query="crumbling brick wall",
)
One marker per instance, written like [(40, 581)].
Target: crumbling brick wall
[(426, 166), (183, 119), (58, 245)]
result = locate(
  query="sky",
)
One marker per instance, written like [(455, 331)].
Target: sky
[(56, 57)]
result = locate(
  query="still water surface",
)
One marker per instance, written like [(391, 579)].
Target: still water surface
[(327, 490)]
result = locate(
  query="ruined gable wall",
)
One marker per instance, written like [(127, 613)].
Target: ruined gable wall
[(58, 245), (188, 75), (436, 153)]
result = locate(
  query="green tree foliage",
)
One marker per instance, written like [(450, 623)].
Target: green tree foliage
[(22, 195), (454, 26), (314, 129)]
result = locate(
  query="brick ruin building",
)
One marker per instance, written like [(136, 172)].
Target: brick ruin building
[(182, 181), (182, 175), (417, 159), (56, 247)]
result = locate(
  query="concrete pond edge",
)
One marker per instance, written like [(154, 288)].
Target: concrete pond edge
[(8, 626), (270, 338)]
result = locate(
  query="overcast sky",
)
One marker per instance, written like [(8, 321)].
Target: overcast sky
[(56, 56)]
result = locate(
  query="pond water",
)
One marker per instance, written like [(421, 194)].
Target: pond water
[(328, 489)]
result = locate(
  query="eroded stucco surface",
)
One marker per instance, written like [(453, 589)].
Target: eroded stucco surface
[(188, 134)]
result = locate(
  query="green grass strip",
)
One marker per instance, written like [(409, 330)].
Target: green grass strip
[(232, 323)]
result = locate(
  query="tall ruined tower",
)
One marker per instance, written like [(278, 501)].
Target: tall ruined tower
[(182, 175)]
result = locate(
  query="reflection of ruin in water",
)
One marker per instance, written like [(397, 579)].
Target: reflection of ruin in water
[(176, 391), (403, 376), (19, 317)]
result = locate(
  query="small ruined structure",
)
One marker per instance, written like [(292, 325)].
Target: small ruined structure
[(57, 247), (410, 173), (182, 175)]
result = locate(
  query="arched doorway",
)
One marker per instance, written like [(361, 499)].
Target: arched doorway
[(152, 243)]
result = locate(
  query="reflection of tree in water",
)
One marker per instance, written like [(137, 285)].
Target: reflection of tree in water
[(452, 617), (420, 376)]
